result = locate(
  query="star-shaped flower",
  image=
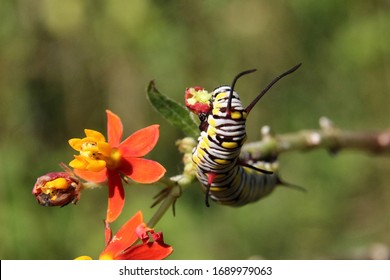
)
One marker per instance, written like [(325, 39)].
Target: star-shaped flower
[(101, 160)]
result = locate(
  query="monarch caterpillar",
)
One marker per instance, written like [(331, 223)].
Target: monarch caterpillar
[(224, 177)]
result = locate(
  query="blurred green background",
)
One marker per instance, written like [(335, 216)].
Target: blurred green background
[(62, 63)]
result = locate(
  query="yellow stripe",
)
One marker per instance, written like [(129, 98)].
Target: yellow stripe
[(235, 115), (216, 111), (204, 144), (212, 122), (196, 159), (217, 189), (229, 145), (222, 161), (201, 153), (211, 131), (220, 95)]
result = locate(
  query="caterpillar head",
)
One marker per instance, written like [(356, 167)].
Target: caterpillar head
[(198, 100)]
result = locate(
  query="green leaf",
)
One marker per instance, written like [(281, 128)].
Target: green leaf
[(172, 111)]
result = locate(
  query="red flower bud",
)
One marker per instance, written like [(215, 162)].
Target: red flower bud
[(198, 100)]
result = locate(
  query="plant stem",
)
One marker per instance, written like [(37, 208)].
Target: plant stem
[(328, 137), (174, 191)]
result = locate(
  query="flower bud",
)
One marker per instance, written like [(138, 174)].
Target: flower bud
[(186, 145), (57, 189), (198, 100)]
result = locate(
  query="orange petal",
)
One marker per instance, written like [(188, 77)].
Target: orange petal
[(104, 148), (79, 162), (76, 143), (95, 165), (94, 135), (142, 170), (96, 177), (140, 142), (125, 237), (116, 196), (114, 129), (147, 251)]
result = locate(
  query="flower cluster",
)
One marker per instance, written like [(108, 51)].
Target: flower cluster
[(111, 161), (198, 100)]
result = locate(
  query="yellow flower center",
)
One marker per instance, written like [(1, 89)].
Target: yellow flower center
[(114, 160), (95, 152)]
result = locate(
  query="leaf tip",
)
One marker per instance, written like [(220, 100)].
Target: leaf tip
[(152, 86)]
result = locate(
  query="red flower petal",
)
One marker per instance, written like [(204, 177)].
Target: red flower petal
[(125, 237), (116, 196), (96, 177), (148, 251), (114, 129), (142, 170), (140, 142)]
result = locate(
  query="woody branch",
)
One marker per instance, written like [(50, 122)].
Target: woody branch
[(328, 137)]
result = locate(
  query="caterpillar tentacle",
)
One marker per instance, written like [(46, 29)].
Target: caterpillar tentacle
[(257, 169)]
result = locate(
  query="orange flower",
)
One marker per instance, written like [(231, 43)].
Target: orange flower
[(100, 160), (122, 246)]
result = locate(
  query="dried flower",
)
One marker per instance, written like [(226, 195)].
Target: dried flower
[(57, 189)]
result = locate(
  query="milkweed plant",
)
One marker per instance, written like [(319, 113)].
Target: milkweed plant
[(112, 160)]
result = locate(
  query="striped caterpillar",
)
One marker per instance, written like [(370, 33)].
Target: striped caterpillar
[(224, 177)]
